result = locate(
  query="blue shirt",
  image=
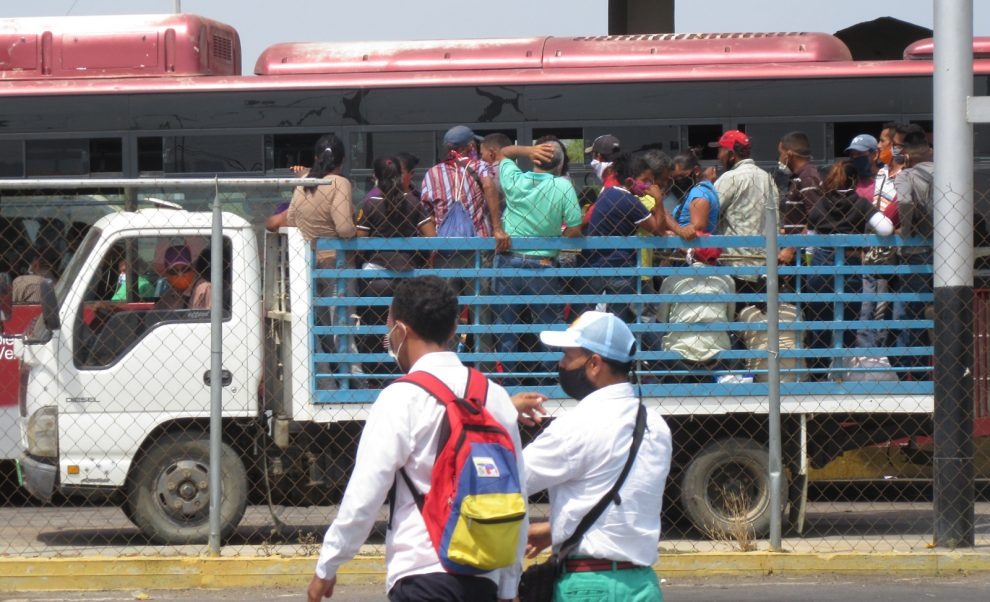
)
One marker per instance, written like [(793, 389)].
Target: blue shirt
[(616, 213), (701, 190)]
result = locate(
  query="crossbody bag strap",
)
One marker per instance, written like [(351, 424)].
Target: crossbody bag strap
[(613, 494)]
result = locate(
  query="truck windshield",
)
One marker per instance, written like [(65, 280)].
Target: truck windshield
[(38, 331)]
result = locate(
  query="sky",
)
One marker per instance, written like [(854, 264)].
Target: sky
[(261, 25)]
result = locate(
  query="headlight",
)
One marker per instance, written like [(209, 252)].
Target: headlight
[(42, 433)]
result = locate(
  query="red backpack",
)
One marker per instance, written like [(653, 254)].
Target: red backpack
[(475, 506)]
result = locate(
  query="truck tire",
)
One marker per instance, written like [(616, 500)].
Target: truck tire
[(168, 496), (726, 486)]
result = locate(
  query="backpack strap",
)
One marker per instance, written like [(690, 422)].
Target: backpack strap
[(475, 395), (613, 494)]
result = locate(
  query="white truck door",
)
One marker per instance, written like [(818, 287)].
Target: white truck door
[(136, 354)]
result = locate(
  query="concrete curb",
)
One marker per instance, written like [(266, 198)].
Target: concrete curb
[(65, 574)]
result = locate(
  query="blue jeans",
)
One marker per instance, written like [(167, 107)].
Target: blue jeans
[(514, 313), (607, 286), (824, 311)]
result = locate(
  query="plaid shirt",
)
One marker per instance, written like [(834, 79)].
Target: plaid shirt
[(447, 182)]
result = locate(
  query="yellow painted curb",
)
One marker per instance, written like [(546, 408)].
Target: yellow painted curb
[(63, 574)]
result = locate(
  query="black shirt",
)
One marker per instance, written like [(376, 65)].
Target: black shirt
[(380, 219), (841, 212)]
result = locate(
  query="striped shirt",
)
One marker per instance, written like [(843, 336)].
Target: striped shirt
[(447, 182), (803, 192)]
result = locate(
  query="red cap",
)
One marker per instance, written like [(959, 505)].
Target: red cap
[(730, 139)]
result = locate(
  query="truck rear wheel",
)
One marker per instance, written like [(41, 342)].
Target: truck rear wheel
[(168, 497), (725, 490)]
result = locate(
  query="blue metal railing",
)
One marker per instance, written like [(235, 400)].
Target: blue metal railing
[(833, 368)]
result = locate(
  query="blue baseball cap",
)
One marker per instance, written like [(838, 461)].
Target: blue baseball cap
[(863, 143), (598, 332), (460, 135)]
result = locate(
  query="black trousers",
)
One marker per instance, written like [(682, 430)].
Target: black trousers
[(443, 587)]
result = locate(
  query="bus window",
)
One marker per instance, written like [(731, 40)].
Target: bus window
[(291, 149), (74, 157), (213, 154), (700, 136), (150, 155), (766, 136), (981, 140), (368, 146), (573, 139), (844, 131), (11, 159), (642, 137)]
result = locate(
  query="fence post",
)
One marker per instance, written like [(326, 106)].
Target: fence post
[(216, 368), (953, 266), (773, 374)]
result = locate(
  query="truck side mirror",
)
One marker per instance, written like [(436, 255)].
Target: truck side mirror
[(6, 305), (49, 306)]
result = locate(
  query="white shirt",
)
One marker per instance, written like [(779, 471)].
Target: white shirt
[(578, 458), (401, 431)]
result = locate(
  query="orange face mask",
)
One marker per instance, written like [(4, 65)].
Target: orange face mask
[(886, 155), (182, 280)]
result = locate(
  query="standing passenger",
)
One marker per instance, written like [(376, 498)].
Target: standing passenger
[(744, 193), (800, 185), (390, 214), (618, 213), (536, 205), (325, 211)]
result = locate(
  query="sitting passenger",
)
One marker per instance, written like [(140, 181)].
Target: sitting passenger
[(188, 290), (145, 289), (26, 289), (698, 349)]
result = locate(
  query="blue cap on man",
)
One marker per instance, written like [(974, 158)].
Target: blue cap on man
[(598, 332), (460, 135)]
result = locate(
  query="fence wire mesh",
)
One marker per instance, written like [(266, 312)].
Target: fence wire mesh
[(108, 409)]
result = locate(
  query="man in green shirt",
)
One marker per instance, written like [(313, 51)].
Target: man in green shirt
[(539, 203)]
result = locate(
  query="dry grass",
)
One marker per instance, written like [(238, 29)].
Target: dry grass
[(738, 532)]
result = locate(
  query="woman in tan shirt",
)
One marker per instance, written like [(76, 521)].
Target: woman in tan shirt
[(324, 211)]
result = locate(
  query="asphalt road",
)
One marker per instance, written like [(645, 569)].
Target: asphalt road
[(972, 588)]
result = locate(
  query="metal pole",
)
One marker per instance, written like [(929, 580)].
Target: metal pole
[(177, 6), (216, 369), (953, 265), (773, 376)]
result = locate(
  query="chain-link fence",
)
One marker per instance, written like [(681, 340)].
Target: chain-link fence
[(108, 376)]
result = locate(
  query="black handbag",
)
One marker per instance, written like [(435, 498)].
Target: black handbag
[(537, 581)]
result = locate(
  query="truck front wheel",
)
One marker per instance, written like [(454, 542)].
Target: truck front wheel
[(725, 490), (168, 496)]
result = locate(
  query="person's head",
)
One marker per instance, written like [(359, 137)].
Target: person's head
[(598, 351), (460, 142), (422, 318), (492, 145), (44, 257), (733, 147), (862, 152), (916, 148), (841, 175), (685, 173), (328, 156), (557, 165), (901, 133), (630, 168), (408, 162), (178, 267), (388, 177), (660, 165), (794, 151), (604, 148), (885, 142)]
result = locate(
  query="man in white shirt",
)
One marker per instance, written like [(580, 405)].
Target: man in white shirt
[(579, 456), (402, 431)]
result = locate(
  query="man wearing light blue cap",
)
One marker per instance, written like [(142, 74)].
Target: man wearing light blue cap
[(579, 457)]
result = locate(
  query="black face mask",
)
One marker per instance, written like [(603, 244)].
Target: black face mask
[(681, 186), (575, 383)]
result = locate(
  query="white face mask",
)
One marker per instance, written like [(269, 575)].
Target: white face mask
[(393, 351), (599, 167)]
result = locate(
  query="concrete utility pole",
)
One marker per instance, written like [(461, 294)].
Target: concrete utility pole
[(952, 84), (176, 6)]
